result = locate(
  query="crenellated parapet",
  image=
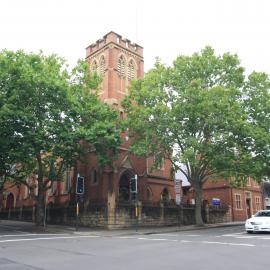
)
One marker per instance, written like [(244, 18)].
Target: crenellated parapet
[(117, 40)]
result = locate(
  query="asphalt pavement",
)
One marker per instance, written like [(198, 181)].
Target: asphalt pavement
[(220, 246)]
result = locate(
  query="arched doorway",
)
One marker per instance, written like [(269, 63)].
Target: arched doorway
[(10, 201), (149, 195), (124, 186), (165, 196)]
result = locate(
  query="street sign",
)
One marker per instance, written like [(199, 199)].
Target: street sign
[(177, 199), (216, 201), (177, 186)]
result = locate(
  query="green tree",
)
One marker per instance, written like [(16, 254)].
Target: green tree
[(50, 119), (193, 114), (257, 105)]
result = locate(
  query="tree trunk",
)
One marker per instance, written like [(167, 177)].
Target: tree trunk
[(198, 204), (40, 207), (40, 197)]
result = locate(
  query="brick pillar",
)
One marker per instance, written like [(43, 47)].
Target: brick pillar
[(111, 210), (161, 220), (206, 209), (140, 213)]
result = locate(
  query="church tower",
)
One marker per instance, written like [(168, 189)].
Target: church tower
[(119, 61)]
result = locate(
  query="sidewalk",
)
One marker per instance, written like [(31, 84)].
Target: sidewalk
[(31, 227), (145, 230)]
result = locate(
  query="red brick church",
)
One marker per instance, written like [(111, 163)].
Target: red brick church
[(107, 190), (119, 61)]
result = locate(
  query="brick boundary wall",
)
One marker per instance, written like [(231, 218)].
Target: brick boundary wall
[(123, 216)]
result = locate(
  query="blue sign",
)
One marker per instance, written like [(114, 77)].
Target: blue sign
[(216, 201)]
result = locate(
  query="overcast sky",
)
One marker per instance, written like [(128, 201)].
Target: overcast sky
[(164, 28)]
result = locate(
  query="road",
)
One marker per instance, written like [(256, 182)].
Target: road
[(211, 249)]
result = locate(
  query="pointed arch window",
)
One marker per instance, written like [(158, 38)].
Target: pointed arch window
[(131, 70), (93, 177), (102, 66), (149, 194), (94, 66), (67, 178), (121, 65), (165, 196)]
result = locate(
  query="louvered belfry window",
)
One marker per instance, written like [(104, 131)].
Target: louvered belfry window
[(121, 66), (102, 65), (131, 70)]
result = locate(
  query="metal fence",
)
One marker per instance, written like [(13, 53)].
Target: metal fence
[(100, 214)]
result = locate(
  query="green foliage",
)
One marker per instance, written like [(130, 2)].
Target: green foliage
[(204, 116), (33, 98), (257, 105), (49, 118)]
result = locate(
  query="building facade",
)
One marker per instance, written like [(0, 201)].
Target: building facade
[(118, 61), (266, 193), (242, 202)]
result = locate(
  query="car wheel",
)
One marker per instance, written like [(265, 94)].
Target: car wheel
[(249, 231)]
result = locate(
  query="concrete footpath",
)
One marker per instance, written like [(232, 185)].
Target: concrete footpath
[(20, 226)]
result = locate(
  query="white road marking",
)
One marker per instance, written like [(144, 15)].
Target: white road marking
[(144, 238), (254, 237), (233, 234), (246, 237), (47, 238), (239, 236), (192, 235), (230, 244), (127, 237), (203, 242), (156, 239), (166, 234), (30, 234)]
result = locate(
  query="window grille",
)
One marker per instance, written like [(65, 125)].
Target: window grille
[(131, 71), (94, 66), (121, 67), (102, 66)]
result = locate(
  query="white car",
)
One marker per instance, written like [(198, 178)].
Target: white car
[(260, 222)]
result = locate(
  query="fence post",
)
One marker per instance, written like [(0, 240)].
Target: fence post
[(140, 212), (111, 210), (34, 213), (179, 214), (206, 209), (161, 213), (21, 211)]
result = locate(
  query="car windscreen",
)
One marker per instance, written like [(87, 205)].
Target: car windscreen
[(263, 214)]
